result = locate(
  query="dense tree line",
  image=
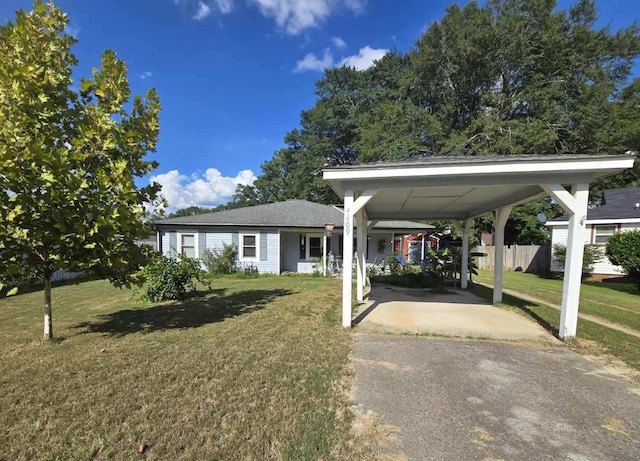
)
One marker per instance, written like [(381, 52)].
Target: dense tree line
[(511, 77), (507, 78)]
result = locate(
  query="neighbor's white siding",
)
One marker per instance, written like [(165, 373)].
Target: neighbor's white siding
[(559, 236)]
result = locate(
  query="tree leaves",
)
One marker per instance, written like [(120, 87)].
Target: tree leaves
[(510, 77), (69, 159)]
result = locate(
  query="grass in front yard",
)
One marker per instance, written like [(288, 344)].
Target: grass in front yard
[(613, 342), (612, 301), (255, 370)]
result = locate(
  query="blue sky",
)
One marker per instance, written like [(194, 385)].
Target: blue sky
[(233, 75)]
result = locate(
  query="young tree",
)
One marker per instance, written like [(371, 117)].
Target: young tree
[(68, 159)]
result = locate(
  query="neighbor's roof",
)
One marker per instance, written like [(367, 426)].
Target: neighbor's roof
[(617, 204), (291, 213)]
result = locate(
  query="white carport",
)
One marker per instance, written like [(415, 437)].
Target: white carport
[(460, 189)]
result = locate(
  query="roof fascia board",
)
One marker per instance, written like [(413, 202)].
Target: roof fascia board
[(455, 181), (597, 221), (597, 163)]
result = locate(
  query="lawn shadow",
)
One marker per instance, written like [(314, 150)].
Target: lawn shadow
[(620, 284), (207, 307), (521, 304)]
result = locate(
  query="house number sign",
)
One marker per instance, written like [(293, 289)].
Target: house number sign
[(347, 222)]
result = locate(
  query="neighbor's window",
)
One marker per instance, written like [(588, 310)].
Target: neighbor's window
[(188, 245), (602, 234), (250, 246)]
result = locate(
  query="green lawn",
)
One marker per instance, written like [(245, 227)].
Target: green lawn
[(605, 340), (256, 370), (612, 301)]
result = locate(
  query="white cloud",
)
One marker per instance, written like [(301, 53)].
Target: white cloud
[(209, 189), (224, 6), (72, 30), (361, 61), (291, 16), (357, 6), (294, 16), (312, 62), (364, 59), (338, 42), (203, 11), (145, 75)]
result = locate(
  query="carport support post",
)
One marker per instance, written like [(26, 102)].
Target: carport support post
[(347, 259), (361, 225), (500, 217), (464, 266), (575, 204)]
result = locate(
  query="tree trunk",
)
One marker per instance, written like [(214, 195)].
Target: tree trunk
[(48, 322)]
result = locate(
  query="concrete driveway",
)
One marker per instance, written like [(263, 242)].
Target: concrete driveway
[(484, 400), (450, 312)]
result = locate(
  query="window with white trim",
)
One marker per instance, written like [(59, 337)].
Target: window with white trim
[(249, 247), (602, 234), (188, 245), (314, 246)]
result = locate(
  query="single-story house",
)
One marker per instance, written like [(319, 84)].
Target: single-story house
[(618, 212), (277, 237)]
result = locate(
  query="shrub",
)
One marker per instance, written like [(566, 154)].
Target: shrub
[(410, 279), (623, 250), (170, 278), (220, 260), (592, 254)]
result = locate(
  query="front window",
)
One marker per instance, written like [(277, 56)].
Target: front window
[(603, 233), (315, 247), (188, 245), (249, 246)]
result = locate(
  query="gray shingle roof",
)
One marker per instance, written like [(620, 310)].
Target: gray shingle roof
[(291, 213), (616, 204)]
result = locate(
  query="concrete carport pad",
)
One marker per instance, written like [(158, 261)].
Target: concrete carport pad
[(448, 312), (480, 400)]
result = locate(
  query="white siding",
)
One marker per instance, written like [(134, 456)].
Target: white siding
[(559, 236), (374, 247), (306, 267)]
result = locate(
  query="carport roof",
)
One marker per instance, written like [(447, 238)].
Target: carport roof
[(463, 187)]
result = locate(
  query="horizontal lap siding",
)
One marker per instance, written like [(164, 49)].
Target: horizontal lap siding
[(560, 235), (374, 253), (215, 240), (268, 250), (269, 255)]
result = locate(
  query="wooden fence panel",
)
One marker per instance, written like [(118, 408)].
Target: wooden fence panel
[(528, 258)]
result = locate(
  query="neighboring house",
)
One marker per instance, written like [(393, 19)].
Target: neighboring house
[(618, 212), (277, 237)]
